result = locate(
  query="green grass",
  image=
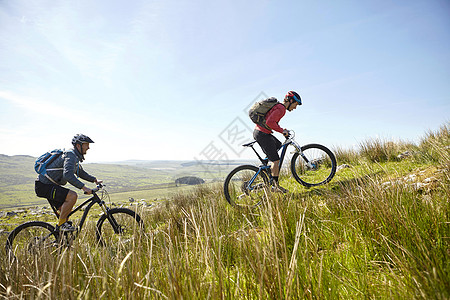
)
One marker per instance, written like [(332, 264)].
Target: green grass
[(355, 238)]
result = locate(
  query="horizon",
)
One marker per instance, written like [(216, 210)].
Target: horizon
[(356, 147), (147, 161)]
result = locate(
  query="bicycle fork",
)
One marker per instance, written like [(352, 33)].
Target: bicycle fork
[(298, 149), (112, 221)]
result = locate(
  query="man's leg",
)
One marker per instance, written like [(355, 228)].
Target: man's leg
[(275, 168), (59, 197), (67, 206), (270, 145)]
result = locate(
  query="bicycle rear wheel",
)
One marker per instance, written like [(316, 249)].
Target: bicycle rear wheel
[(245, 186), (318, 168), (119, 226), (31, 238)]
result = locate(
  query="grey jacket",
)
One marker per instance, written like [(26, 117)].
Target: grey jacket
[(67, 165)]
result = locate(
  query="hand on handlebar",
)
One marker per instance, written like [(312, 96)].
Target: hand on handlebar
[(286, 133), (86, 190)]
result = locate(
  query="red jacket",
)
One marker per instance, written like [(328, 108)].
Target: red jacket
[(272, 118)]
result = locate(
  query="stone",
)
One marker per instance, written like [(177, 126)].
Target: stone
[(343, 166), (404, 155)]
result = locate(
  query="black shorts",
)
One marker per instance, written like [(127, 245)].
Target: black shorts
[(268, 143), (55, 194)]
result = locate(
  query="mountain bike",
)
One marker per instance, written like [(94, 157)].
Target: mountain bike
[(311, 165), (114, 226)]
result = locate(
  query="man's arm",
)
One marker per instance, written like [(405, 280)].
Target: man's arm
[(84, 175), (274, 116), (69, 169)]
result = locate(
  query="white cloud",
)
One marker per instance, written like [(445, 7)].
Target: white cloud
[(61, 112), (41, 107)]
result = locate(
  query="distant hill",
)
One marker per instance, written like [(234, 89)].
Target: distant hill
[(16, 169), (17, 176)]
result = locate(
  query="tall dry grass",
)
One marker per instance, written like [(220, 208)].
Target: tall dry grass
[(435, 146), (347, 156), (355, 238)]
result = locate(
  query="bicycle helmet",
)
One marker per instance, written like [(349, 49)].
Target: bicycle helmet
[(81, 138), (295, 96)]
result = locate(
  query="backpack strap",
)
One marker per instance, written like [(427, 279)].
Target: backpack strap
[(53, 169), (51, 179)]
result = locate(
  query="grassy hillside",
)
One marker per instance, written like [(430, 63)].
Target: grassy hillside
[(379, 230), (16, 179)]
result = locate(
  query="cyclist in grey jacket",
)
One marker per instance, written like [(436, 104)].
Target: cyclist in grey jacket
[(65, 169)]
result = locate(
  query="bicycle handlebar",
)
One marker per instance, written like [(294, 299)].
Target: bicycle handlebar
[(291, 134), (96, 189)]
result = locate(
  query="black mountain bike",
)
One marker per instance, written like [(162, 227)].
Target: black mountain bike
[(311, 165), (115, 225)]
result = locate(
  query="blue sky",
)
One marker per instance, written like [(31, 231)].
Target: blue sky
[(172, 79)]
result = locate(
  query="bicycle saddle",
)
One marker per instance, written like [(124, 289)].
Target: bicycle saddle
[(249, 144)]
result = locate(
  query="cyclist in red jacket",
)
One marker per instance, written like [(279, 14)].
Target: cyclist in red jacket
[(269, 143)]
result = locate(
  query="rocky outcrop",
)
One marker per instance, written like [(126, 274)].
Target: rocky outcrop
[(420, 180)]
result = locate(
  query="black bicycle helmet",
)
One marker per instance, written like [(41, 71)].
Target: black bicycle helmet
[(81, 138), (293, 95)]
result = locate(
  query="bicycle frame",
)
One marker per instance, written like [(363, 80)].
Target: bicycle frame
[(264, 167), (95, 199)]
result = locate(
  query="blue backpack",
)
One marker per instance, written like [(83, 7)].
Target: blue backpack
[(44, 161)]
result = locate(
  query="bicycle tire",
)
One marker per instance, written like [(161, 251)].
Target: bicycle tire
[(31, 238), (127, 225), (324, 165), (238, 194)]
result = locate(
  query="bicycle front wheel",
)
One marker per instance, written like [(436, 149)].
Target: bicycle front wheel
[(119, 226), (30, 239), (317, 166), (245, 186)]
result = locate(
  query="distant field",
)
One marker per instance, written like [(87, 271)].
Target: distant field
[(148, 180)]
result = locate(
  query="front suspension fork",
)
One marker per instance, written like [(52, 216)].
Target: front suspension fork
[(110, 218), (300, 152)]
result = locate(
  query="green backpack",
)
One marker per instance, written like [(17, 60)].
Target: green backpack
[(258, 111)]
